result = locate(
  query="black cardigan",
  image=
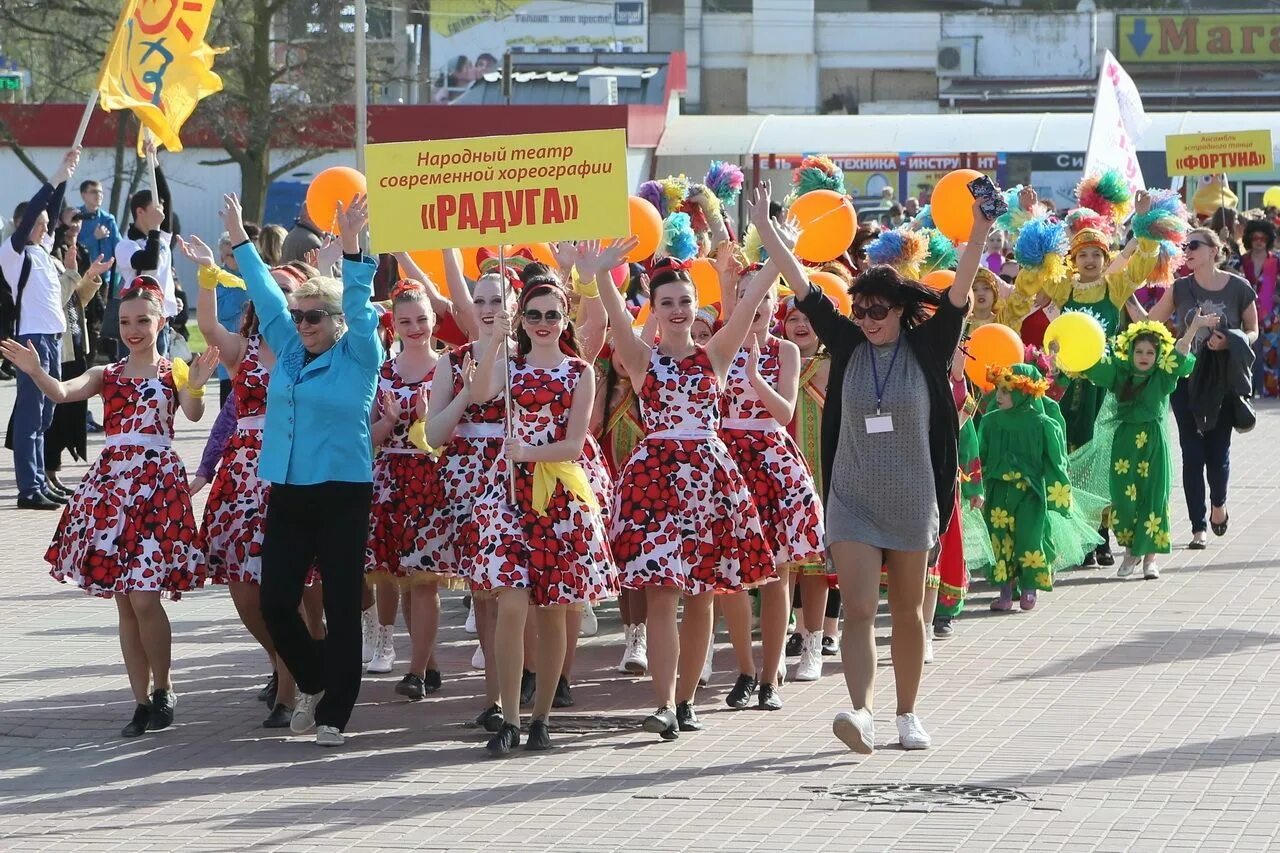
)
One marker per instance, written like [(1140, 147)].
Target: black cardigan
[(934, 344)]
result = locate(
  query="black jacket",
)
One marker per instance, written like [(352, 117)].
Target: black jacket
[(934, 343), (1217, 377)]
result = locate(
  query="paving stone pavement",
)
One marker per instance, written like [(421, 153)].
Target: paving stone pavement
[(1117, 716)]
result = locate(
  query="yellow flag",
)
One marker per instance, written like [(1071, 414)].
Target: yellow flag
[(159, 66)]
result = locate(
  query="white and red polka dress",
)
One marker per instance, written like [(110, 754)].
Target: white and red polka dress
[(777, 476), (235, 514), (130, 527), (406, 490), (682, 514), (562, 556)]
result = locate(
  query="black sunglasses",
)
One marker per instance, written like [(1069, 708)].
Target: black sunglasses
[(314, 316), (534, 317), (1192, 245), (875, 312)]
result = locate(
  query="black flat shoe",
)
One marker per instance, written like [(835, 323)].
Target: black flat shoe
[(279, 718), (162, 704), (528, 685), (769, 699), (829, 647), (507, 739), (38, 502), (411, 687), (795, 643), (59, 489), (490, 719), (539, 739), (563, 698), (431, 681), (740, 696), (662, 722), (686, 718), (1221, 529), (1103, 555), (269, 690), (60, 499), (138, 725), (1197, 545)]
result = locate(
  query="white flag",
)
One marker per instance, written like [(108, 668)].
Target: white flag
[(1118, 123)]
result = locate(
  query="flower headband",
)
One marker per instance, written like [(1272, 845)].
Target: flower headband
[(1006, 379)]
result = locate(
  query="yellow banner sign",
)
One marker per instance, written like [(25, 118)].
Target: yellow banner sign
[(1233, 151), (498, 189), (1188, 39)]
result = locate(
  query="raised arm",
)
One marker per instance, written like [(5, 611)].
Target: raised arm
[(230, 345), (25, 358), (268, 301), (40, 201), (593, 262), (724, 344), (357, 286), (463, 303), (967, 268)]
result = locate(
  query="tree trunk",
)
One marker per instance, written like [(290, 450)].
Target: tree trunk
[(117, 182), (254, 170)]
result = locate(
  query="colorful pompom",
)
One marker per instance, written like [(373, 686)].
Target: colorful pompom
[(940, 254), (651, 191), (678, 239), (816, 173), (725, 181), (675, 189), (1108, 193), (1167, 219), (752, 247), (905, 251), (1041, 255), (1082, 218)]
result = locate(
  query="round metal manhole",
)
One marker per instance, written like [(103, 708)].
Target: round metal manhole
[(905, 795)]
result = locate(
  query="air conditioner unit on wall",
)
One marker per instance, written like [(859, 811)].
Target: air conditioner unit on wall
[(957, 57)]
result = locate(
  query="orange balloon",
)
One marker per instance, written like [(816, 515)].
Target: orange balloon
[(541, 252), (431, 262), (646, 225), (834, 288), (333, 185), (939, 279), (827, 224), (992, 345), (952, 204), (706, 281), (642, 316)]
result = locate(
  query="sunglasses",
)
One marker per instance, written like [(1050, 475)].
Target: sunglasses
[(534, 317), (313, 317), (1192, 245), (875, 312)]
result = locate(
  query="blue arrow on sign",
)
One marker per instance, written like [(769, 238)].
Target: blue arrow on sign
[(1140, 38)]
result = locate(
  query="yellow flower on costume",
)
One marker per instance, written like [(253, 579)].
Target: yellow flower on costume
[(1007, 547), (1011, 476), (1144, 469), (1001, 571), (1044, 579), (1162, 539), (1167, 362), (1124, 537), (570, 474), (1153, 524), (1033, 560), (1141, 440), (1060, 495), (1000, 518), (1131, 492), (1122, 466)]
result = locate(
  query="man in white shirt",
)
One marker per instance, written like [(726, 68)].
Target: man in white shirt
[(146, 247), (34, 285)]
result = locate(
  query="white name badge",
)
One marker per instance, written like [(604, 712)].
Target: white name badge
[(879, 423)]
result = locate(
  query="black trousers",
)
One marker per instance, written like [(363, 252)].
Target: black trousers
[(326, 525)]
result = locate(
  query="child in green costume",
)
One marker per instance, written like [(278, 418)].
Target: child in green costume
[(1141, 373)]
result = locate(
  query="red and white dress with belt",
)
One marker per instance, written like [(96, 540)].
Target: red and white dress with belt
[(777, 476), (236, 511), (682, 515), (130, 527)]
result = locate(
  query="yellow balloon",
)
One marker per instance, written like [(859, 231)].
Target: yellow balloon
[(1271, 198), (1080, 338)]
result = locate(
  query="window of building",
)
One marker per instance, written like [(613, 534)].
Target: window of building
[(713, 7)]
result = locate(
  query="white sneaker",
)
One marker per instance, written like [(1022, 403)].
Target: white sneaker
[(928, 649), (705, 678), (635, 658), (470, 626), (368, 633), (1150, 571), (477, 658), (328, 736), (1128, 565), (856, 729), (304, 712), (384, 655), (911, 733), (590, 625), (810, 666), (629, 635)]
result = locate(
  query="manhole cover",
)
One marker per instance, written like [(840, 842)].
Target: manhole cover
[(904, 795)]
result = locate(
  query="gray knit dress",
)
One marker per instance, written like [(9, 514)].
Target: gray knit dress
[(882, 490)]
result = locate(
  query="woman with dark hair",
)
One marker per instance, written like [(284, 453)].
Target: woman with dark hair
[(1259, 266), (1212, 401), (889, 432), (1229, 225)]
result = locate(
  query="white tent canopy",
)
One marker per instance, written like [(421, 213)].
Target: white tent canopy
[(735, 136)]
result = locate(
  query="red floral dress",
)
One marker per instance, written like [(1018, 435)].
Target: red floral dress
[(462, 466), (129, 527), (406, 490), (777, 476), (562, 556), (682, 514), (236, 512)]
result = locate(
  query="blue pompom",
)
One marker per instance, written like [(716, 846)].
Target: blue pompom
[(678, 237), (888, 248), (1040, 238)]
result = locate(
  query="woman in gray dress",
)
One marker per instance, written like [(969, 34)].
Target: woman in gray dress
[(889, 460)]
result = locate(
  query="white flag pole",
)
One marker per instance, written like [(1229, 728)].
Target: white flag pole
[(362, 99)]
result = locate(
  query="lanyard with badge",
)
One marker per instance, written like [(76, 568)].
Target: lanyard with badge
[(882, 422)]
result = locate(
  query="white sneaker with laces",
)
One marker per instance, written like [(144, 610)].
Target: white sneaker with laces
[(856, 729), (384, 656), (1150, 571), (911, 733), (705, 678), (470, 626), (368, 633), (477, 657), (928, 649), (1128, 565), (304, 712), (629, 636), (590, 625), (810, 666), (640, 655), (329, 736)]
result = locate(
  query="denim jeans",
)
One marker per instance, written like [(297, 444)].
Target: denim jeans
[(32, 414)]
